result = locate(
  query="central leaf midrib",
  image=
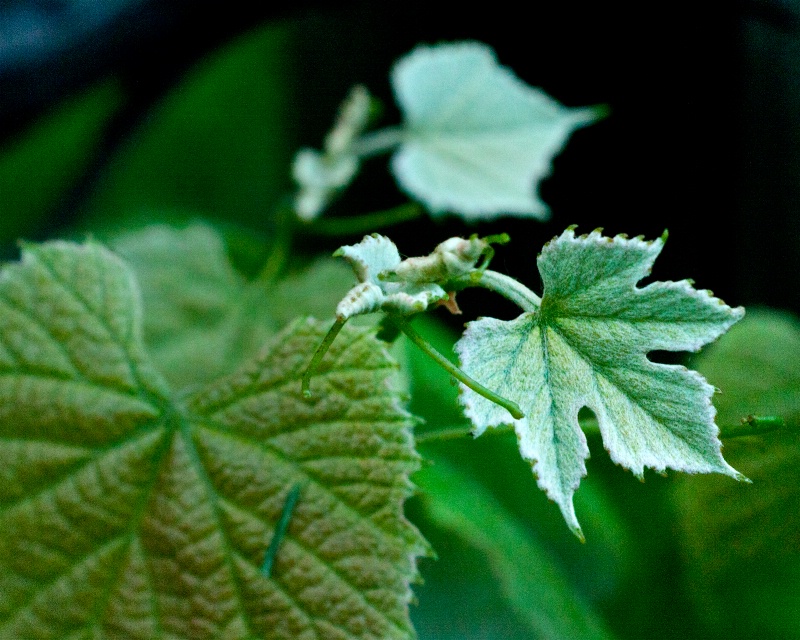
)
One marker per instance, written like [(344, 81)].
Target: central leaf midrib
[(543, 326), (184, 431), (134, 532), (598, 370)]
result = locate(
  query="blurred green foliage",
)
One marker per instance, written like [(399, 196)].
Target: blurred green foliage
[(39, 168), (219, 144), (676, 557)]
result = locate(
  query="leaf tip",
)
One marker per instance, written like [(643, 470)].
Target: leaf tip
[(597, 112)]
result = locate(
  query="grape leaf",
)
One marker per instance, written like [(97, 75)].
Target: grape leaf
[(477, 139), (128, 514), (202, 318), (586, 345)]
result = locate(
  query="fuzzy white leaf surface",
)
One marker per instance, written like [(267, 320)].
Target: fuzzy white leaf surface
[(478, 139), (586, 346), (374, 255)]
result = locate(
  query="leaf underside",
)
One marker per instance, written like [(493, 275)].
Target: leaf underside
[(127, 514), (478, 139), (587, 345)]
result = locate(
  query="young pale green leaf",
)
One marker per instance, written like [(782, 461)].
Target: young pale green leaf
[(477, 139), (201, 318), (587, 345), (126, 514), (321, 175), (374, 256)]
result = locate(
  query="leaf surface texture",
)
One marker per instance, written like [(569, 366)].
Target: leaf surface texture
[(586, 345), (127, 513)]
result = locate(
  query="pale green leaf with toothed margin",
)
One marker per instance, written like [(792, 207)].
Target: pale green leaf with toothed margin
[(477, 139), (587, 345), (201, 317), (127, 514)]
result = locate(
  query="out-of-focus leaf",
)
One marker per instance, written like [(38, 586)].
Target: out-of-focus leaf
[(38, 169), (477, 139), (742, 542), (219, 144), (756, 367), (202, 318), (534, 587), (127, 514)]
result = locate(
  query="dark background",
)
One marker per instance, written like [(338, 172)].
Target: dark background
[(702, 139)]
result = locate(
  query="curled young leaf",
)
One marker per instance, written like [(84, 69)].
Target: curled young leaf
[(586, 345), (321, 176), (374, 256)]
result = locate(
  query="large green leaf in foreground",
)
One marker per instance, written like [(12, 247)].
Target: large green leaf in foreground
[(202, 318), (127, 514), (587, 345)]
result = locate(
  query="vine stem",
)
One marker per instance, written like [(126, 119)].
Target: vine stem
[(319, 354), (280, 529), (506, 286), (453, 370), (454, 433), (377, 142), (755, 425), (750, 426), (366, 223)]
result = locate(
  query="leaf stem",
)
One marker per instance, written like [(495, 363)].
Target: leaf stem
[(506, 286), (754, 425), (280, 529), (589, 425), (750, 426), (319, 354), (367, 223), (453, 370), (377, 142), (281, 245), (455, 433)]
